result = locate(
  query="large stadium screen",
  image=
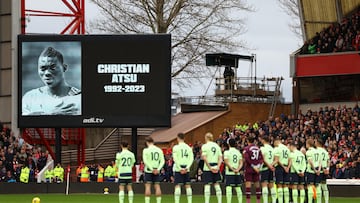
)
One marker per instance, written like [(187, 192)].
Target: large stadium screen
[(94, 80)]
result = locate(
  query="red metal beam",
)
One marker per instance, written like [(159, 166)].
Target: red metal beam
[(76, 11), (46, 143), (23, 22), (32, 12)]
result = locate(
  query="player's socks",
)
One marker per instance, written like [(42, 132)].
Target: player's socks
[(207, 193), (310, 194), (131, 196), (228, 194), (158, 199), (280, 195), (258, 194), (286, 195), (295, 194), (302, 196), (325, 190), (218, 193), (177, 194), (318, 194), (147, 199), (189, 194), (239, 194), (265, 194), (273, 195), (248, 194), (121, 196)]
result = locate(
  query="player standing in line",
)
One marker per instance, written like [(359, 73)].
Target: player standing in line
[(297, 173), (253, 161), (233, 161), (125, 161), (183, 158), (312, 168), (282, 167), (267, 170), (212, 156), (325, 166), (154, 160)]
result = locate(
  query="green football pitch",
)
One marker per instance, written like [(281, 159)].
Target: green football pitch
[(113, 198)]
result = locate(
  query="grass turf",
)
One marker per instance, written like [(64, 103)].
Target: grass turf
[(113, 198)]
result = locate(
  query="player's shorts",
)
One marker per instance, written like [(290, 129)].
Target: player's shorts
[(181, 178), (208, 177), (233, 180), (310, 178), (125, 181), (151, 178), (252, 176), (295, 179), (267, 176), (323, 177), (318, 178), (281, 177)]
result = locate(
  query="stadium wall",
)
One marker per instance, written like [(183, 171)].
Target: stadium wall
[(167, 188), (238, 112), (5, 61)]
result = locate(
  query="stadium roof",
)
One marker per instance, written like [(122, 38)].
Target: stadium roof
[(184, 122), (318, 14)]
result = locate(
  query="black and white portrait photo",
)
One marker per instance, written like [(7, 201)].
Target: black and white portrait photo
[(51, 78)]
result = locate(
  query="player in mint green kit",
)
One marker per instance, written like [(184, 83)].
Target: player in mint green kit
[(297, 173), (312, 169), (212, 156), (233, 161), (153, 158), (324, 173), (125, 161), (183, 158), (282, 169), (267, 170)]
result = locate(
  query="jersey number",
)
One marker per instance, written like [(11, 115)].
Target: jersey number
[(235, 159), (255, 154), (285, 154), (299, 159), (213, 149), (270, 155), (155, 156), (184, 153), (125, 161), (323, 155), (316, 156)]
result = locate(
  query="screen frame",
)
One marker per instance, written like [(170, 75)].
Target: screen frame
[(67, 121)]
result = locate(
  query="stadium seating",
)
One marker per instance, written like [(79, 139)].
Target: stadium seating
[(339, 37)]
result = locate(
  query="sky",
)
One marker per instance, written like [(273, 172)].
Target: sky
[(268, 36)]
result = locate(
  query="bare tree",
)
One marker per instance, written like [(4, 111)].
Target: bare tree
[(291, 8), (197, 27)]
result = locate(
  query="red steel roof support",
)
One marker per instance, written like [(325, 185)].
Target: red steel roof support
[(76, 11)]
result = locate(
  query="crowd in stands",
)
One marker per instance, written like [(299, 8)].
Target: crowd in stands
[(19, 161), (338, 127), (338, 37)]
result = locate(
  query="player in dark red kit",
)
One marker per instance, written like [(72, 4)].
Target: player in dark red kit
[(253, 162)]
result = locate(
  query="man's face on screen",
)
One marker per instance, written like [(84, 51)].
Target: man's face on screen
[(51, 71)]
